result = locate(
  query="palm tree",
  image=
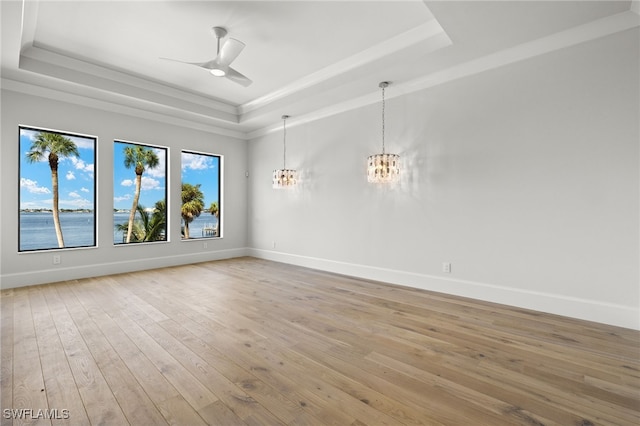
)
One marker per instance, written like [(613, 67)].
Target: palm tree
[(137, 231), (215, 211), (213, 208), (140, 158), (192, 204), (156, 228), (55, 146), (148, 227)]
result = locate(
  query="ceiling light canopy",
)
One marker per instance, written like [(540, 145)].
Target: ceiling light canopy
[(383, 167)]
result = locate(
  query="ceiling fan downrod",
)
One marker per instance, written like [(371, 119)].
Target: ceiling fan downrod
[(219, 32)]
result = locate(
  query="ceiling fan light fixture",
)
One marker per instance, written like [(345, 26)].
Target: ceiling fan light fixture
[(218, 72)]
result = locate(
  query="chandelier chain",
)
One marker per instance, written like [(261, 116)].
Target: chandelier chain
[(284, 142), (383, 87)]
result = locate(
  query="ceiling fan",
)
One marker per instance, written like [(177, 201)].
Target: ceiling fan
[(219, 66)]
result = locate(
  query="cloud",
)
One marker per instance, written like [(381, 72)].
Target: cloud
[(123, 198), (70, 175), (39, 204), (32, 186), (150, 183), (82, 143), (74, 194), (83, 189), (76, 203), (30, 134), (79, 164), (146, 183), (196, 161)]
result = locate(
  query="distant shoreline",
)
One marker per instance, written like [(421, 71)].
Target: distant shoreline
[(51, 211)]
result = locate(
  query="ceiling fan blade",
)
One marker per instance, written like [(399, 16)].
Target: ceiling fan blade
[(236, 77), (219, 66), (208, 65), (230, 51)]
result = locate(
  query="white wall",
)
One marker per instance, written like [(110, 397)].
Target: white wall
[(525, 178), (19, 269)]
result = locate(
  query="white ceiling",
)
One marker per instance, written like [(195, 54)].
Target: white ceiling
[(307, 59)]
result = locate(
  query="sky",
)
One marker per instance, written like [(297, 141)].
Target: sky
[(77, 175), (202, 169), (154, 181), (195, 169), (76, 188)]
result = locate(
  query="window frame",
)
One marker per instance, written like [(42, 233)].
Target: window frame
[(220, 198), (79, 166), (118, 176)]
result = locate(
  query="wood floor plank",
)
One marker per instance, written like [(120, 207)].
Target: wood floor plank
[(178, 411), (28, 382), (253, 342), (6, 354), (329, 385), (99, 402), (217, 413), (252, 345), (135, 403), (59, 383), (225, 375), (281, 406), (157, 387), (319, 326), (185, 383)]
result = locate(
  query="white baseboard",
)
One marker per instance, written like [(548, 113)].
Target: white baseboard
[(590, 310), (51, 275)]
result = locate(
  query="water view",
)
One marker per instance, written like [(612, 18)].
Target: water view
[(197, 229), (37, 230)]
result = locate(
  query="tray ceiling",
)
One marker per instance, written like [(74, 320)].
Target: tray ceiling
[(306, 58)]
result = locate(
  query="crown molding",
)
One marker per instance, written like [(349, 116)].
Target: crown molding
[(46, 62), (426, 31), (580, 34), (115, 103)]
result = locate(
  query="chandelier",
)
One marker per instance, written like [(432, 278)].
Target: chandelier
[(284, 178), (383, 167)]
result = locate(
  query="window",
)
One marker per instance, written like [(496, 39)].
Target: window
[(201, 209), (57, 190), (139, 193)]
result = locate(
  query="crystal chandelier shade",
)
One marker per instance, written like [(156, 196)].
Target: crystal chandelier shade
[(284, 178), (383, 168)]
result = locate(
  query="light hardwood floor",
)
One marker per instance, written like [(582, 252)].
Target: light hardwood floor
[(248, 341)]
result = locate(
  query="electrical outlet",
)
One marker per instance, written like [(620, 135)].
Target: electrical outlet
[(56, 259), (205, 245), (446, 267), (273, 244)]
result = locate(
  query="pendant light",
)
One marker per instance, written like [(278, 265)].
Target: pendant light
[(383, 167), (284, 178)]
